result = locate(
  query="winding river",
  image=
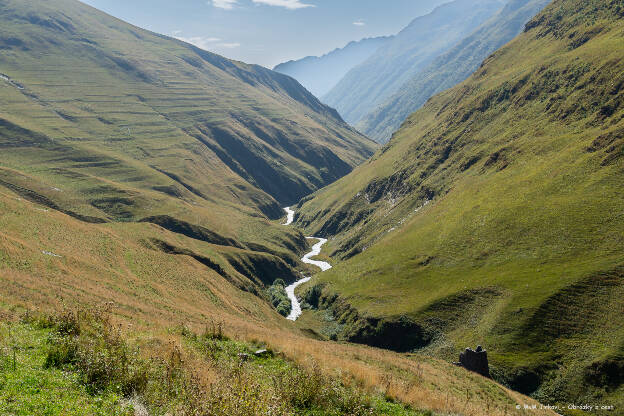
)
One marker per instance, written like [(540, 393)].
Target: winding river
[(323, 265), (290, 216)]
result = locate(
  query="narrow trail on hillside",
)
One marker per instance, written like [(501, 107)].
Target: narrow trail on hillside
[(295, 311)]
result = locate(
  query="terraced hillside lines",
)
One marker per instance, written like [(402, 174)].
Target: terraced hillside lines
[(110, 123), (97, 80), (502, 194)]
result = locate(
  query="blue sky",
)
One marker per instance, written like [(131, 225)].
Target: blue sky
[(268, 32)]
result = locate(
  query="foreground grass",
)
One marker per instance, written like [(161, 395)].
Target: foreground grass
[(80, 363), (28, 388), (151, 291)]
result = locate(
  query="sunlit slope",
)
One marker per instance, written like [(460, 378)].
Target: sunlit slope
[(48, 258), (212, 123), (495, 215), (96, 186)]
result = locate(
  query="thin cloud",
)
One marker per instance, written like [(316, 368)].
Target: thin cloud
[(231, 45), (202, 41), (288, 4), (224, 4)]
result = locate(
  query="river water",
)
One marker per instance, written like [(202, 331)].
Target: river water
[(295, 312)]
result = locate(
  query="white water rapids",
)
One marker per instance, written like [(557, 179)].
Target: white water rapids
[(295, 311), (316, 250), (290, 216)]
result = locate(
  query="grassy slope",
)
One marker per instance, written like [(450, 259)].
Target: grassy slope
[(32, 386), (107, 122), (372, 82), (166, 107), (29, 389), (520, 246), (449, 69), (75, 180), (150, 292)]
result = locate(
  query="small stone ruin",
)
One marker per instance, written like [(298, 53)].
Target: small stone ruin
[(475, 360)]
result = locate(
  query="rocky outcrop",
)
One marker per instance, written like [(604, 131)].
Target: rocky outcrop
[(475, 360)]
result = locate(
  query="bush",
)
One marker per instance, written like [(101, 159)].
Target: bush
[(62, 352), (214, 331), (284, 308), (308, 389), (278, 297), (67, 324)]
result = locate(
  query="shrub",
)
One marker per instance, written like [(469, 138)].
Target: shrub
[(214, 331), (62, 352), (278, 297), (67, 324), (308, 389)]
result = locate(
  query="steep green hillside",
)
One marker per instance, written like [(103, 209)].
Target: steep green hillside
[(131, 181), (319, 74), (107, 122), (449, 69), (495, 216), (189, 119), (372, 82)]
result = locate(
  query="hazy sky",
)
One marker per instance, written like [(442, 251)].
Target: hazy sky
[(268, 32)]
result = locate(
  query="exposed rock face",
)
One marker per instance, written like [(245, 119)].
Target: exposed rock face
[(263, 353), (476, 361)]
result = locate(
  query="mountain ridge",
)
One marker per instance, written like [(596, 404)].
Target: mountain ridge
[(278, 88), (335, 63), (426, 37), (450, 68)]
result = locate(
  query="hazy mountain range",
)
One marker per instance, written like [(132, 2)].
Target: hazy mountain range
[(426, 75), (449, 69), (372, 82), (319, 74)]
